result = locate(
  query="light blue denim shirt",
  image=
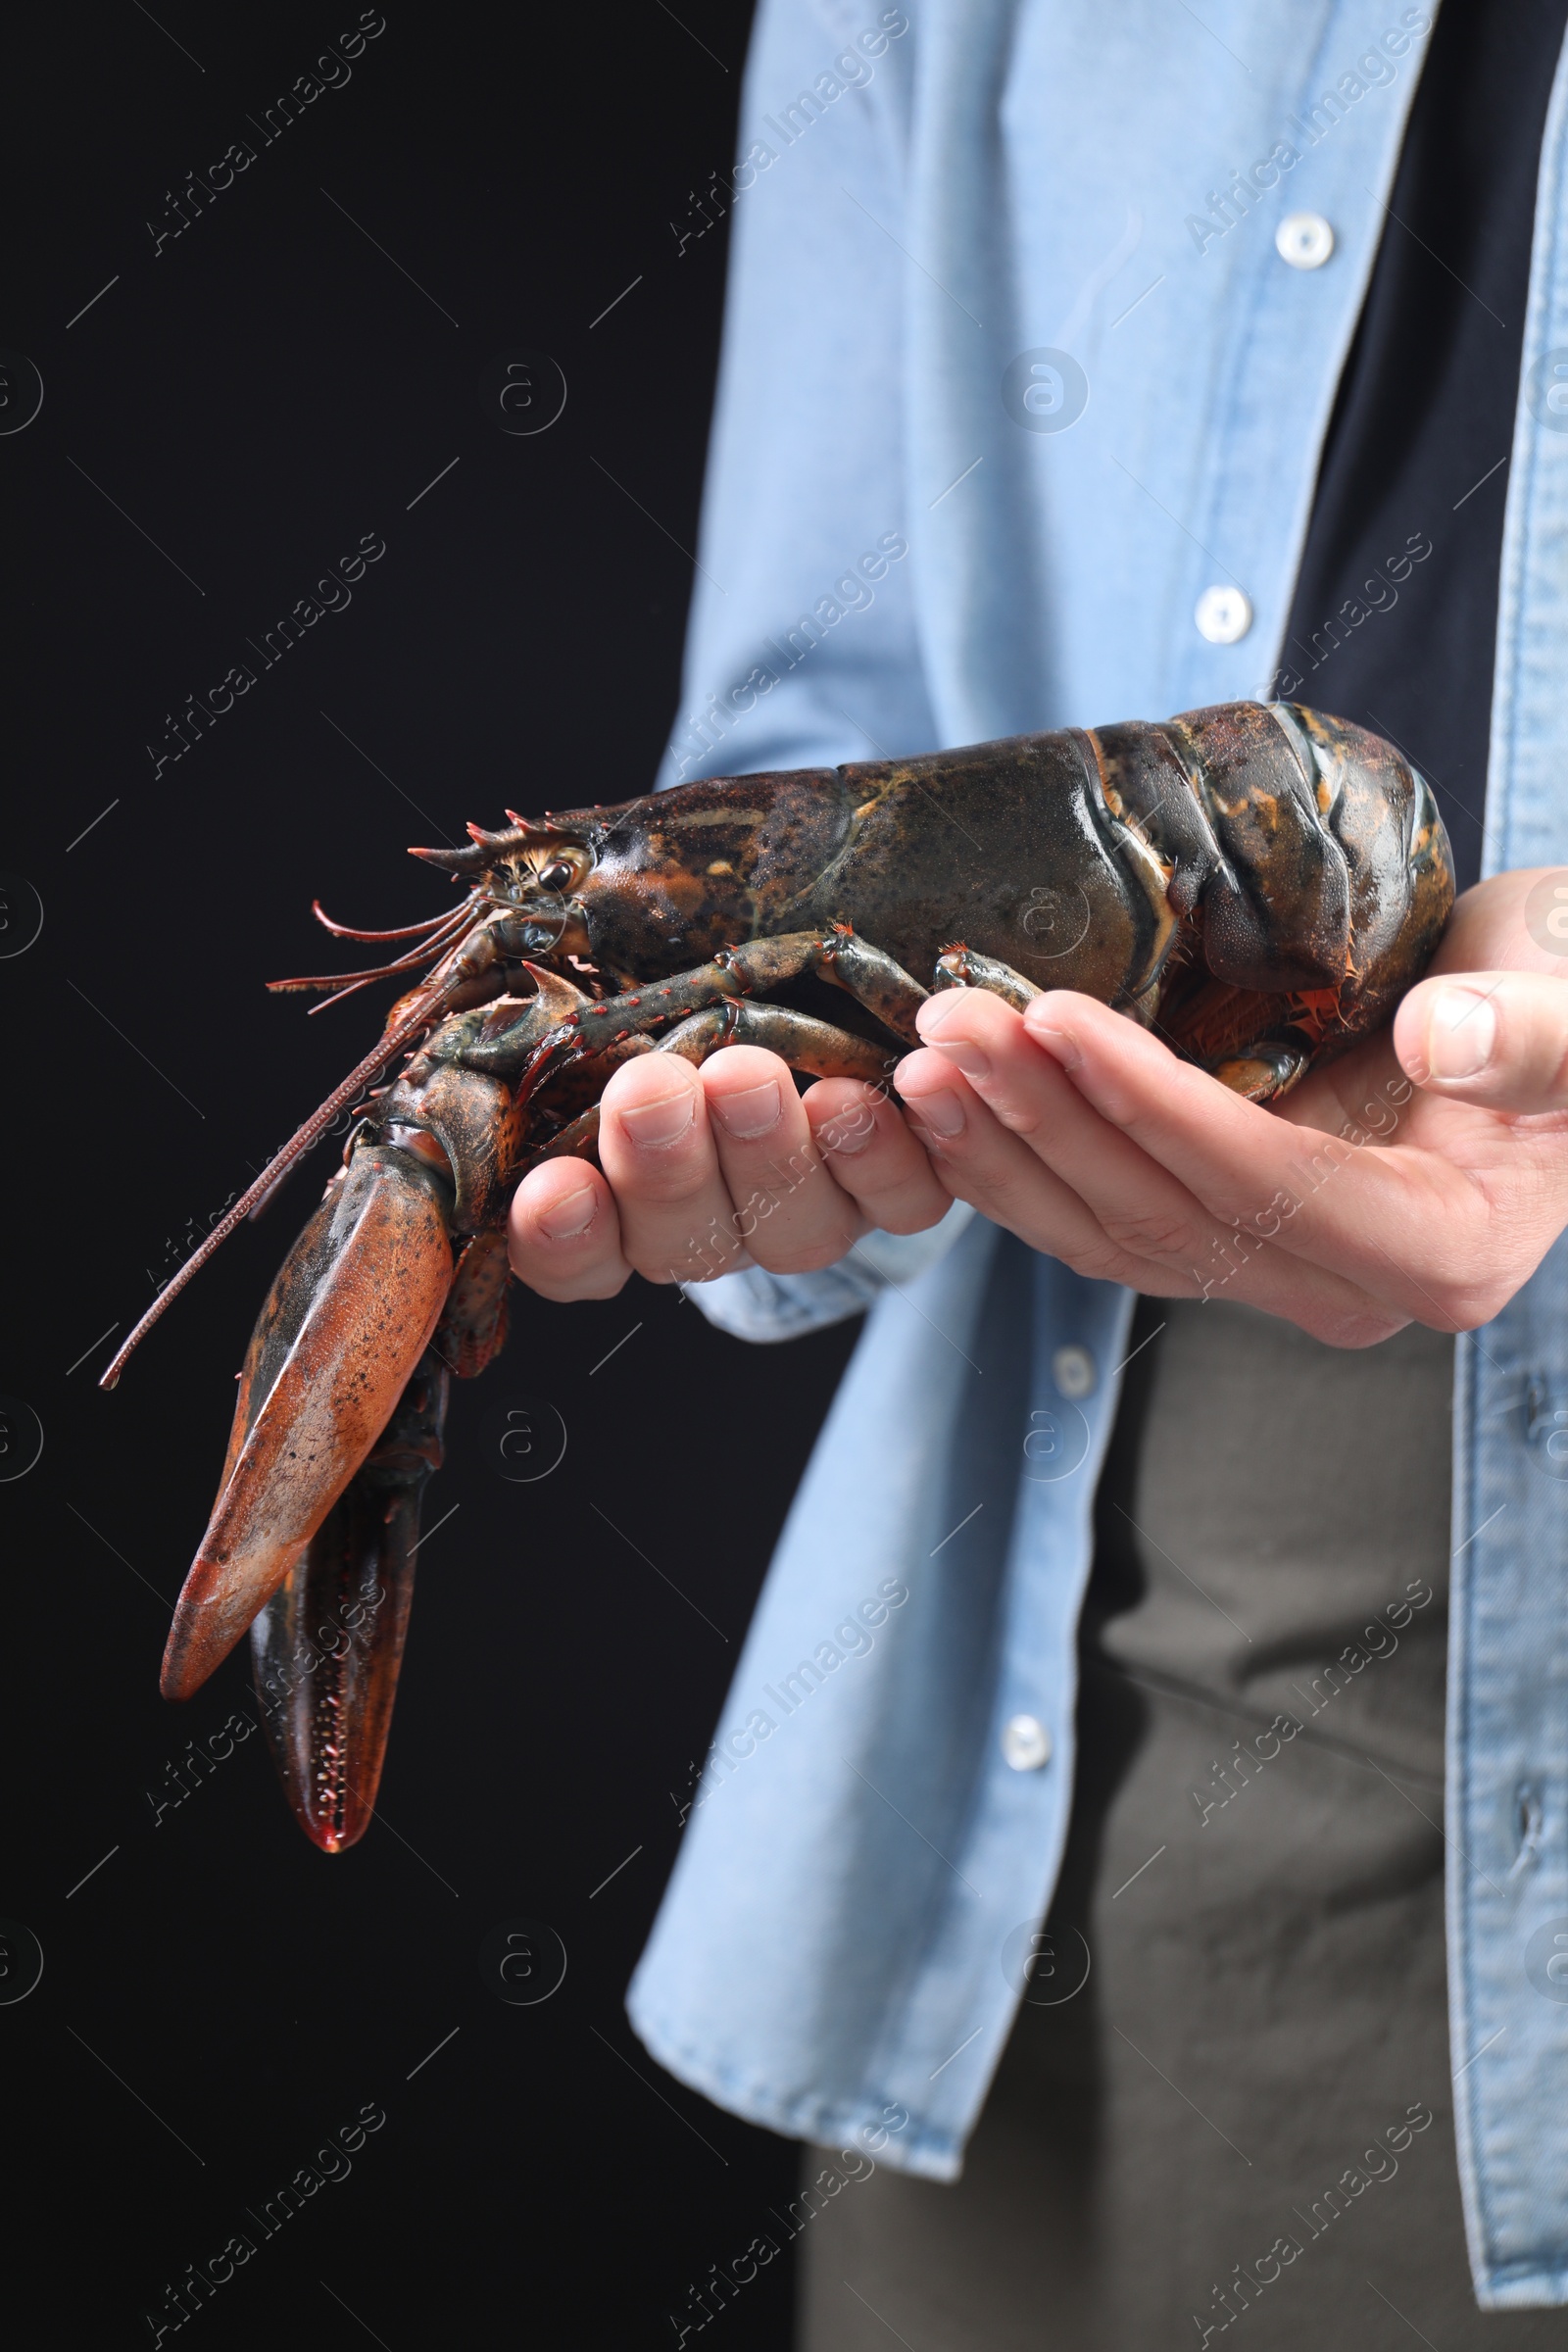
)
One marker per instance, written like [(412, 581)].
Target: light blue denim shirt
[(1013, 374)]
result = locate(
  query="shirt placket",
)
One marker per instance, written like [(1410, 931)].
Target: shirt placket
[(1300, 261)]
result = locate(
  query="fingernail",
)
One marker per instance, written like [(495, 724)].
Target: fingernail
[(964, 1057), (752, 1111), (652, 1125), (936, 1010), (567, 1217), (1461, 1034), (942, 1113), (850, 1132), (1059, 1043)]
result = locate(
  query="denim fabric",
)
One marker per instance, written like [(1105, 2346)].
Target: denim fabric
[(893, 558)]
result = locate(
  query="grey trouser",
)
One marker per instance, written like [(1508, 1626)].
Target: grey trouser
[(1241, 2120)]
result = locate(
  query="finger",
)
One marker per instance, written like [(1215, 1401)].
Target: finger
[(991, 1113), (1140, 1212), (563, 1233), (1148, 1229), (785, 1207), (1498, 1039), (872, 1156), (657, 1148), (1507, 924), (1382, 1218), (979, 1161)]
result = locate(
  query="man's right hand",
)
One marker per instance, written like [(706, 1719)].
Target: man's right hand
[(707, 1170)]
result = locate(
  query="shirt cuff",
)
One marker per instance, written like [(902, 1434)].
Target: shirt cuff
[(753, 1305)]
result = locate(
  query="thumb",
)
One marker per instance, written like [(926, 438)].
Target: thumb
[(1495, 1039)]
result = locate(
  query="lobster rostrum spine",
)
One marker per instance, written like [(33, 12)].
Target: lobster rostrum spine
[(1257, 882)]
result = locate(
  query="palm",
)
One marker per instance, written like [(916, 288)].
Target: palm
[(1363, 1202)]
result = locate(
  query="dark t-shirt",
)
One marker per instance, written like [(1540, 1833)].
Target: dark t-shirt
[(1417, 451)]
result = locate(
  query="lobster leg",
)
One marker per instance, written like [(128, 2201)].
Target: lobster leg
[(1264, 1069), (349, 1317), (960, 968), (326, 1649), (863, 971), (1261, 1069), (800, 1038)]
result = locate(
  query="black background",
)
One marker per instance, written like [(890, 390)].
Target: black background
[(217, 1997)]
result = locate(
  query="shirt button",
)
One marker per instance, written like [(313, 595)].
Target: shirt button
[(1073, 1371), (1026, 1743), (1223, 616), (1304, 240)]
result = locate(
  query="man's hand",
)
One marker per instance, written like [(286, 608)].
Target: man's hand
[(708, 1171), (1420, 1179), (1364, 1203)]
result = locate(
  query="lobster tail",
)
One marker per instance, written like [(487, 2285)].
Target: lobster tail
[(1229, 804), (1400, 863), (1306, 850)]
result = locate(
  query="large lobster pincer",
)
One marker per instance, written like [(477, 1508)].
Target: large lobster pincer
[(1258, 883)]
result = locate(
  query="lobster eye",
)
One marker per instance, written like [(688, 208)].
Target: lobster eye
[(556, 876)]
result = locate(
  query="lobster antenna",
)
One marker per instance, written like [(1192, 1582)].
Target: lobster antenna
[(431, 922), (456, 920), (414, 1020)]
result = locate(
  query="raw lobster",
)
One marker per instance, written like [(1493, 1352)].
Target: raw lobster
[(1258, 883)]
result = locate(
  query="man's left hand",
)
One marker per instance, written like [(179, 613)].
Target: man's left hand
[(1420, 1178)]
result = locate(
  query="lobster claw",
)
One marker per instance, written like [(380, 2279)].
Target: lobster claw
[(348, 1319), (326, 1649)]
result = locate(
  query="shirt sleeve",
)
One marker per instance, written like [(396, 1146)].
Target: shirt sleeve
[(755, 1305), (803, 650)]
